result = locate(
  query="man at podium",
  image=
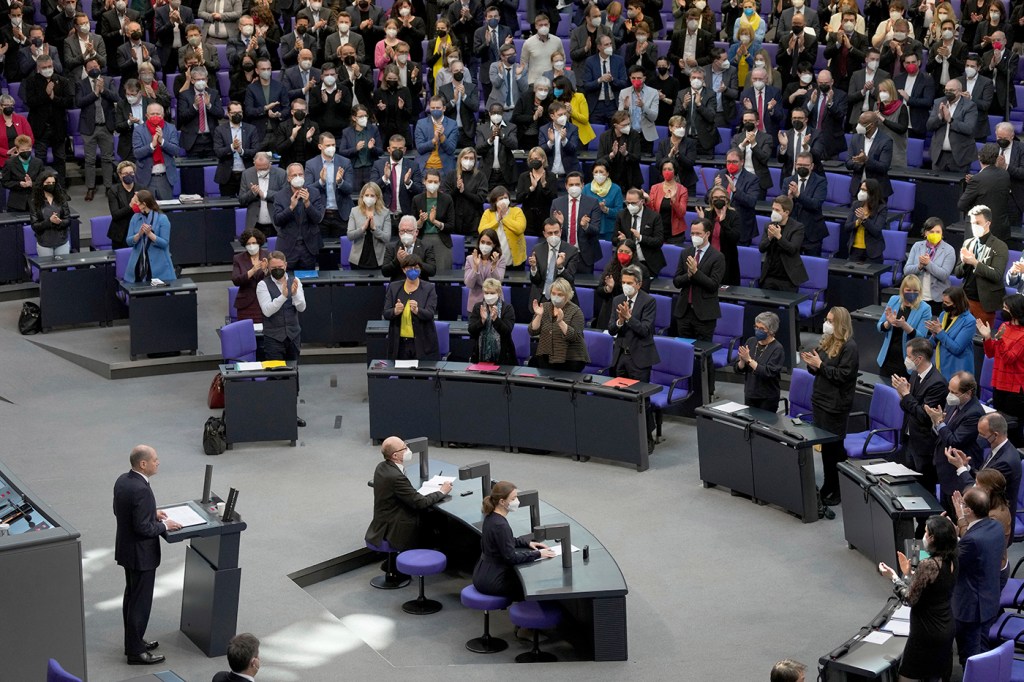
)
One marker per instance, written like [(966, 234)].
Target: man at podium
[(137, 549)]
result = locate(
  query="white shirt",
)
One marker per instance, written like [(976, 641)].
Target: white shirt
[(264, 216), (1005, 153), (269, 306), (556, 164), (869, 77), (146, 479), (690, 45), (868, 141), (969, 84), (911, 80), (237, 163), (946, 147)]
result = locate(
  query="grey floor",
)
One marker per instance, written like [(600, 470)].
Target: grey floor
[(719, 588)]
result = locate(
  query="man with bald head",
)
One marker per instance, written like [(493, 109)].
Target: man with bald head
[(1011, 157), (1000, 64), (980, 557), (396, 503), (137, 549)]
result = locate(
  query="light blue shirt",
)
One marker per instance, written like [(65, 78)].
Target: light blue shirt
[(329, 173)]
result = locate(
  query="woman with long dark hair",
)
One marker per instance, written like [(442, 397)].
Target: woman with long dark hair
[(51, 215), (928, 653), (486, 262), (610, 285), (149, 236), (861, 236)]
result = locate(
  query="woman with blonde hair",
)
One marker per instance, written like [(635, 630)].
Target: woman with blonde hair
[(933, 34), (894, 117), (491, 321), (558, 326), (467, 186), (834, 364), (369, 229), (904, 318), (763, 60), (741, 51), (509, 222)]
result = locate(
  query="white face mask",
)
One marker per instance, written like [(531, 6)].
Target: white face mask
[(697, 241), (200, 86), (46, 73), (595, 21), (541, 94), (490, 299), (329, 81), (543, 31), (744, 39), (629, 290), (977, 230), (343, 28), (679, 132), (776, 217), (306, 64), (862, 196), (952, 400), (691, 24), (861, 130), (899, 36), (558, 301), (626, 130), (298, 181), (361, 121), (404, 12), (247, 31), (485, 249), (641, 38), (496, 119), (872, 65), (700, 4), (608, 51), (468, 164), (407, 456), (369, 201), (253, 249), (849, 26), (402, 59), (558, 66), (633, 208), (759, 64), (406, 238), (883, 96), (574, 191), (329, 151), (895, 16), (562, 120), (554, 241), (391, 33), (758, 85), (432, 187), (947, 35), (827, 329), (909, 364), (600, 178), (696, 84), (503, 203), (513, 505), (971, 71), (798, 4), (805, 78)]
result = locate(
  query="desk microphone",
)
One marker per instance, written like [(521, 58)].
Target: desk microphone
[(794, 435)]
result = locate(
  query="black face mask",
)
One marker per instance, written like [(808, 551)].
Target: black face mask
[(349, 60), (457, 77), (1002, 143), (662, 70), (950, 96), (948, 308), (441, 33), (24, 156), (392, 84), (299, 115), (248, 66), (37, 42), (236, 118), (749, 126), (136, 35), (300, 30), (535, 164), (798, 125), (803, 172), (824, 88), (8, 111), (719, 204), (50, 187), (397, 155), (277, 273)]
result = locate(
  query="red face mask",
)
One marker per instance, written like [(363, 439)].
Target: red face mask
[(637, 82), (136, 208), (733, 168), (911, 69), (668, 175), (624, 258), (997, 45)]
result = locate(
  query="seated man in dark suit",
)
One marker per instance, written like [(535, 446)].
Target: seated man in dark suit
[(976, 592), (926, 386), (1003, 457), (396, 504), (407, 243), (870, 156), (243, 659), (956, 427), (551, 259), (634, 352), (808, 191), (698, 276), (782, 269)]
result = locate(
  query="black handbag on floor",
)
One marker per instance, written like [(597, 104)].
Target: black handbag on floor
[(29, 321)]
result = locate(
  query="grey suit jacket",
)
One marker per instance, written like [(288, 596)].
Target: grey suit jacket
[(785, 26), (74, 61), (333, 42), (961, 131), (229, 17), (855, 95), (984, 91), (649, 97), (250, 201), (498, 86)]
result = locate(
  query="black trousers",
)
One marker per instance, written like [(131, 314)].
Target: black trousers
[(268, 229), (136, 607), (202, 148), (776, 284), (282, 350), (332, 226), (627, 369), (305, 261), (230, 188), (567, 366), (811, 249), (945, 163), (769, 404), (1013, 405), (689, 327)]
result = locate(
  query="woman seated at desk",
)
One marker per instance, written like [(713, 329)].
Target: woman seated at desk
[(409, 306), (247, 270), (490, 327), (558, 324), (486, 262), (149, 236), (500, 551)]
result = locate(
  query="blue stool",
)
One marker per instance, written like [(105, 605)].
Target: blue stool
[(391, 579), (536, 615), (421, 562), (474, 599)]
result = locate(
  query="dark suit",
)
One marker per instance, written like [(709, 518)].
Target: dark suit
[(508, 140), (1004, 76), (396, 508), (48, 117), (291, 79), (587, 238), (228, 676), (701, 118), (254, 103), (467, 109), (250, 201), (876, 165), (542, 251), (74, 60), (961, 135), (127, 67), (807, 210), (919, 439), (806, 52), (788, 157), (834, 52), (832, 119), (390, 266), (634, 352), (405, 193), (110, 28), (990, 187), (744, 199), (19, 198), (137, 551), (982, 96), (697, 307), (591, 87), (976, 592), (855, 93), (958, 52), (163, 32), (761, 153), (922, 96), (445, 213), (783, 255), (1015, 168), (188, 116), (772, 119), (959, 430), (1006, 461), (487, 52), (569, 145), (225, 153), (702, 53), (993, 255), (298, 230), (652, 237), (424, 331), (86, 100)]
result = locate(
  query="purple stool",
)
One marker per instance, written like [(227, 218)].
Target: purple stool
[(391, 579), (474, 599), (421, 562), (536, 615)]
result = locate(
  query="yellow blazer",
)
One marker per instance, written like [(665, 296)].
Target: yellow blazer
[(581, 117), (514, 227)]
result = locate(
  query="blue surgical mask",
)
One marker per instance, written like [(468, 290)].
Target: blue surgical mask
[(558, 92), (910, 296), (436, 113), (760, 334), (493, 23), (749, 11), (412, 274)]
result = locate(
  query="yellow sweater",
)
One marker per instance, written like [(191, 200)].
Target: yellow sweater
[(514, 226), (581, 117)]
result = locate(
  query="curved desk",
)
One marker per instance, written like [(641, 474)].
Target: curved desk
[(592, 592)]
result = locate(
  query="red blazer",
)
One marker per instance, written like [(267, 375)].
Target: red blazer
[(21, 126), (657, 193), (1008, 351)]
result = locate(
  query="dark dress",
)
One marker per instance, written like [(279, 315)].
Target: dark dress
[(761, 387), (536, 204), (499, 552), (929, 648), (831, 399), (893, 362), (501, 349), (246, 303), (623, 168)]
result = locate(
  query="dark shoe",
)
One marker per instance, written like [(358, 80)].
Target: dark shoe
[(146, 659), (831, 500), (90, 193), (650, 446), (149, 646), (301, 422)]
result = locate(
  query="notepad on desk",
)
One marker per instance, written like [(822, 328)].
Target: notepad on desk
[(620, 382), (248, 366), (184, 515), (889, 469), (729, 407), (557, 548), (483, 367), (434, 484), (273, 364), (877, 637), (406, 364)]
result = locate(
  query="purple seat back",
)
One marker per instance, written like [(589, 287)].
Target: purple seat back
[(211, 188), (985, 384), (121, 257), (98, 238), (675, 362), (729, 328), (458, 251), (443, 337), (817, 275), (599, 346), (750, 265), (55, 673), (990, 666), (663, 312), (346, 249), (586, 299), (607, 253), (232, 295), (240, 222), (830, 244), (238, 341), (521, 339), (672, 255), (885, 412), (800, 388)]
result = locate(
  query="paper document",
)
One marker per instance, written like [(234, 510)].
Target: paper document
[(185, 515), (434, 484), (157, 282), (248, 366), (900, 628), (556, 547), (889, 469), (729, 407), (911, 503), (406, 364), (163, 203), (257, 327), (483, 367), (902, 613), (620, 382), (877, 637)]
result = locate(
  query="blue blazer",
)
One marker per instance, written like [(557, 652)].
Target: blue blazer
[(876, 165), (954, 348), (744, 200), (291, 79), (916, 320), (592, 71), (141, 139), (614, 201), (807, 206), (569, 150), (159, 250), (347, 143), (1007, 462), (980, 556), (959, 430), (342, 192), (425, 143)]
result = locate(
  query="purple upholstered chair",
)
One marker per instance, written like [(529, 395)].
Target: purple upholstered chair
[(662, 313), (815, 286), (894, 255), (55, 673), (991, 666), (672, 372), (521, 339), (98, 238), (599, 346), (420, 563), (586, 299), (801, 385), (884, 421), (537, 616), (474, 599), (238, 341), (458, 251), (672, 255), (750, 265), (232, 315), (391, 579), (728, 333), (211, 188)]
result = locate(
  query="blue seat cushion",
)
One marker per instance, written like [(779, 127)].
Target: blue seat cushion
[(681, 392), (384, 546), (1008, 597), (804, 308), (720, 358), (854, 444), (1006, 627), (421, 562), (536, 615), (474, 599)]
